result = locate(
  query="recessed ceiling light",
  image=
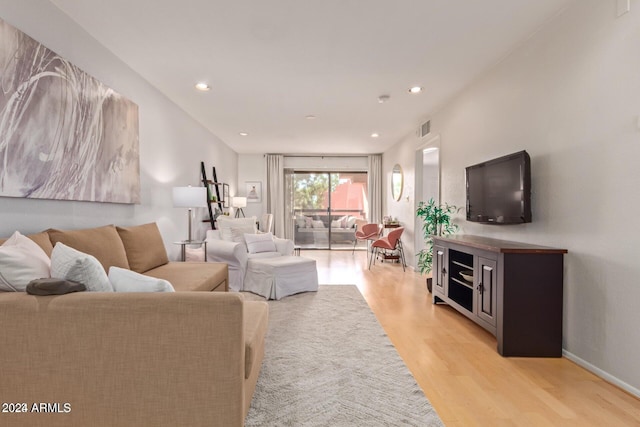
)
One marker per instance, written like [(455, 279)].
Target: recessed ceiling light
[(243, 134), (203, 86), (310, 117), (375, 135), (415, 89)]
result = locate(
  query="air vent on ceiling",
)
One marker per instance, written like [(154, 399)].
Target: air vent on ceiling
[(425, 128)]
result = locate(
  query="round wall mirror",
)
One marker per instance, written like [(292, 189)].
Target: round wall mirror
[(396, 182)]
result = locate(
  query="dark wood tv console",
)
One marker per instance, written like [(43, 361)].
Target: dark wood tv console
[(513, 290)]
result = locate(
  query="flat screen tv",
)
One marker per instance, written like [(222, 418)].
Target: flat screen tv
[(499, 190)]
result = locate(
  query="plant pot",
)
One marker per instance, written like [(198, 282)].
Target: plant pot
[(429, 284)]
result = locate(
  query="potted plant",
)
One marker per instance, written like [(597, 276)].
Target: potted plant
[(437, 222)]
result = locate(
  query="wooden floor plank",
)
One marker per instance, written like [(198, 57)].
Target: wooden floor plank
[(458, 367)]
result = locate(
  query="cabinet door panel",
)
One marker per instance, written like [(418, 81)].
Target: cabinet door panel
[(439, 272), (487, 283)]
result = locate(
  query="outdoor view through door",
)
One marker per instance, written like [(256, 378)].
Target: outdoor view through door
[(326, 206)]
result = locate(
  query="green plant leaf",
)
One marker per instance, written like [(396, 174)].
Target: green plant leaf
[(436, 222)]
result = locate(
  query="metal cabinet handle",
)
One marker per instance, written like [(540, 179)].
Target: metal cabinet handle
[(480, 287)]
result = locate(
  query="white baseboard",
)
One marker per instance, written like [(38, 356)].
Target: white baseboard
[(602, 374)]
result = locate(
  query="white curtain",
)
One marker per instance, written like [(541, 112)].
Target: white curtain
[(375, 188), (275, 192), (289, 218)]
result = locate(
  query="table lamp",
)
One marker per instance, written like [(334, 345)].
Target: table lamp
[(239, 203), (189, 197)]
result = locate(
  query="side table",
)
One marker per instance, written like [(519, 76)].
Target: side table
[(183, 247)]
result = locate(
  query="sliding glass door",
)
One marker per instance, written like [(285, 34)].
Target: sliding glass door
[(325, 207)]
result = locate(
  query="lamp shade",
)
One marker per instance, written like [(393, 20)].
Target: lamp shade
[(189, 197), (239, 202)]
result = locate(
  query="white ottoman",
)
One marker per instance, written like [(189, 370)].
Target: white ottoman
[(278, 277)]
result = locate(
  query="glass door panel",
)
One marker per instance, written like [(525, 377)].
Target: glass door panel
[(326, 206), (349, 203), (311, 210)]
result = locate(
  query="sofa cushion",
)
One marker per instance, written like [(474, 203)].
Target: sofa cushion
[(103, 243), (21, 261), (238, 232), (42, 239), (71, 264), (124, 280), (256, 320), (226, 224), (193, 276), (144, 247)]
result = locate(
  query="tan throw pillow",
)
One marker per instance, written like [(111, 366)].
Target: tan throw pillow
[(102, 242), (144, 247)]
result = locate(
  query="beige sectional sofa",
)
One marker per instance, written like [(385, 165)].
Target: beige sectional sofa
[(131, 359)]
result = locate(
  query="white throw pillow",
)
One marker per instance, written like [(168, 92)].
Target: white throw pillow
[(124, 280), (194, 254), (336, 223), (257, 243), (238, 232), (21, 261), (351, 221), (317, 224), (225, 224), (70, 264)]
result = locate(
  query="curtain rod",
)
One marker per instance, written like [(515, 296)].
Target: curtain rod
[(325, 155)]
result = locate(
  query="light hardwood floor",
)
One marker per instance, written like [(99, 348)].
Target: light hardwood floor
[(457, 365)]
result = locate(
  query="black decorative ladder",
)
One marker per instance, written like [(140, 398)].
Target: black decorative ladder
[(208, 184)]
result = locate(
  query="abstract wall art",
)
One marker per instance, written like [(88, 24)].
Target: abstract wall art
[(63, 134)]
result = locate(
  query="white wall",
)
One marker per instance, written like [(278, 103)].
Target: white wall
[(404, 154), (253, 167), (172, 144), (570, 96)]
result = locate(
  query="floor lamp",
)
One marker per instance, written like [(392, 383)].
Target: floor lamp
[(239, 203), (189, 197)]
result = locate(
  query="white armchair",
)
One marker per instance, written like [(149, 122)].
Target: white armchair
[(236, 256)]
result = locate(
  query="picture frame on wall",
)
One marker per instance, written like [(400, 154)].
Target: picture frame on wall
[(254, 191)]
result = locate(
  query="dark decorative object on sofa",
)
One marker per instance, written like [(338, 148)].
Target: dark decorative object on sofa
[(437, 221)]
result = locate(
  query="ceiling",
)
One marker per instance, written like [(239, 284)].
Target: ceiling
[(272, 63)]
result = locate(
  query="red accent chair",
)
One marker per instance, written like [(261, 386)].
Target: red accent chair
[(390, 243), (367, 232)]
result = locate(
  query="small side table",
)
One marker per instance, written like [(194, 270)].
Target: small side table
[(296, 250), (183, 247)]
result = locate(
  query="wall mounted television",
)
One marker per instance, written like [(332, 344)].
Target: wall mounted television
[(499, 190)]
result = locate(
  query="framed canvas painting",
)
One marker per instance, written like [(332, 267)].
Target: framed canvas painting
[(254, 191)]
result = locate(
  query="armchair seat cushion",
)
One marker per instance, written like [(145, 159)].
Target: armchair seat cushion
[(263, 255)]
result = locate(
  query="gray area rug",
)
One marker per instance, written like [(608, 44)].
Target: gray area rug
[(328, 362)]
